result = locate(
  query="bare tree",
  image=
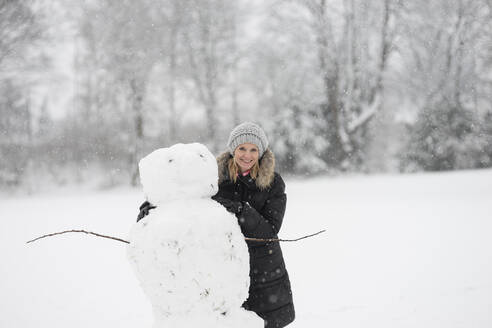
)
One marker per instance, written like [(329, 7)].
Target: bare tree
[(21, 30), (352, 72), (329, 66), (208, 35), (446, 82), (124, 43)]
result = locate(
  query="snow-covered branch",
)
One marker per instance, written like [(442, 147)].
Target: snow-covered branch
[(366, 114)]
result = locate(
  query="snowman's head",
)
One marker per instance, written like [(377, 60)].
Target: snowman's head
[(178, 172)]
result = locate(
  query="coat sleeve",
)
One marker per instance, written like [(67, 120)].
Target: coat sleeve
[(267, 222)]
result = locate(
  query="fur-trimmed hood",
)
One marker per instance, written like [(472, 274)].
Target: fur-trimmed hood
[(266, 172)]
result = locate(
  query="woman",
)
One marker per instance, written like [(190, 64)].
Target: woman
[(251, 189)]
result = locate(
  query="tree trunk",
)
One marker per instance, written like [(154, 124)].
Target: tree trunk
[(331, 109), (137, 90), (171, 92)]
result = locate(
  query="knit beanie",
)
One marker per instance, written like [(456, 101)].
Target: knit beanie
[(248, 132)]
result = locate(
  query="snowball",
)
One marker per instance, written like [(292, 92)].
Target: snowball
[(180, 171)]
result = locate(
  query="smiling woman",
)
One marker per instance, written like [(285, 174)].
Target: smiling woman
[(250, 188)]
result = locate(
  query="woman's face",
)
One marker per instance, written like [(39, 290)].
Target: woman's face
[(246, 155)]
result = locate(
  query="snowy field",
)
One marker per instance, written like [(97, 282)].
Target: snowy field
[(399, 251)]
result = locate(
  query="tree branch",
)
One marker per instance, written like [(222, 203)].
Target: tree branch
[(127, 242), (83, 231), (368, 112), (277, 239)]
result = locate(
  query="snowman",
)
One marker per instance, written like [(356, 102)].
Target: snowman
[(189, 253)]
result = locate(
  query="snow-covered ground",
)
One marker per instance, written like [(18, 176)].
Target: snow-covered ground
[(399, 251)]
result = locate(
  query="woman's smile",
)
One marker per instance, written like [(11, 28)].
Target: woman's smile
[(246, 155)]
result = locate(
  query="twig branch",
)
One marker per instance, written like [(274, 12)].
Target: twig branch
[(277, 239), (83, 231), (127, 242)]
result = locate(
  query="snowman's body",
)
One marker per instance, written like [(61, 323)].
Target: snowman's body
[(189, 253)]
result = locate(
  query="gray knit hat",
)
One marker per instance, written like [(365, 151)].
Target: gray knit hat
[(248, 132)]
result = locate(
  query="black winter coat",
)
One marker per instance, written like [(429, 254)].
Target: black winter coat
[(270, 295)]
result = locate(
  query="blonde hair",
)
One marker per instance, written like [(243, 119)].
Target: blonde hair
[(234, 170)]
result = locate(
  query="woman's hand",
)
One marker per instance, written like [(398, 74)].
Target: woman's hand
[(144, 210), (234, 207)]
